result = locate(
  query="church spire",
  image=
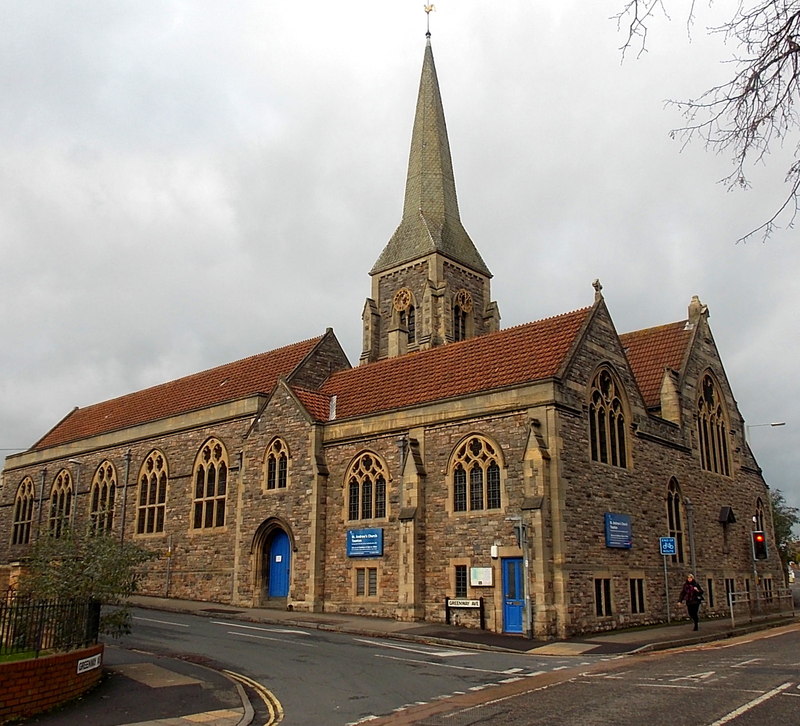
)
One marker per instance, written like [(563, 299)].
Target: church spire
[(431, 221)]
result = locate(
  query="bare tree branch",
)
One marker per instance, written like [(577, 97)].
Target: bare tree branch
[(756, 109)]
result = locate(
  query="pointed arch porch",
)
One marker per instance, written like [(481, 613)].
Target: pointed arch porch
[(271, 553)]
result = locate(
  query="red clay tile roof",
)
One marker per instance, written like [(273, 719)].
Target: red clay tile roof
[(316, 403), (652, 350), (246, 377), (516, 355)]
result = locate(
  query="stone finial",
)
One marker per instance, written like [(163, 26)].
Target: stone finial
[(598, 294), (696, 310)]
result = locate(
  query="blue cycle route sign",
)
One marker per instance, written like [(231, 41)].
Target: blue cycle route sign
[(667, 546)]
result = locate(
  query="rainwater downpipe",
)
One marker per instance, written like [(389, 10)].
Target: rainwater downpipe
[(125, 494)]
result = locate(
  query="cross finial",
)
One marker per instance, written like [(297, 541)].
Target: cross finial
[(428, 10)]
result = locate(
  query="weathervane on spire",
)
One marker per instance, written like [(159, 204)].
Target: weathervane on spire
[(428, 10)]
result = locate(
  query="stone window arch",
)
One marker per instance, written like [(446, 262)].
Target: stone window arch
[(675, 518), (210, 485), (276, 465), (712, 427), (607, 420), (462, 307), (475, 473), (61, 496), (405, 312), (367, 480), (102, 495), (23, 512), (152, 502)]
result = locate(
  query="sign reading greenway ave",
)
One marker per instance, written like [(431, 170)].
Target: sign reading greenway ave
[(364, 542), (460, 603)]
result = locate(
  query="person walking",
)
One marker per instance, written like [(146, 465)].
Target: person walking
[(692, 595)]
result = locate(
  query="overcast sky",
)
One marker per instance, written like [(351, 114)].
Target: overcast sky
[(183, 184)]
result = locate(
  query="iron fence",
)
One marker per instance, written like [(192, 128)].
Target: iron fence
[(34, 626)]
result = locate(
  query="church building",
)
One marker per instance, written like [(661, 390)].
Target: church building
[(525, 479)]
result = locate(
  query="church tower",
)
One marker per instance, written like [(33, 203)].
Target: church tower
[(430, 285)]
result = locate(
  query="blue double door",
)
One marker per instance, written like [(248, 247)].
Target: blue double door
[(513, 595), (276, 564)]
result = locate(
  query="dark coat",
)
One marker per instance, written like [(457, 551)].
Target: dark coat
[(691, 593)]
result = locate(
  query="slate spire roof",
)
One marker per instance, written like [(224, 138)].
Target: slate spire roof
[(431, 221)]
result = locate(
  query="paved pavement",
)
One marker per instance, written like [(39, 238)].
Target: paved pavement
[(144, 689)]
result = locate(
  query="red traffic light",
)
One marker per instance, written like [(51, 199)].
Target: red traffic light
[(759, 545)]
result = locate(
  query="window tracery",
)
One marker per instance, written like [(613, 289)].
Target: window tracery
[(101, 499), (210, 485), (23, 512), (712, 430), (607, 430), (152, 494), (366, 488), (476, 476), (277, 464), (61, 503)]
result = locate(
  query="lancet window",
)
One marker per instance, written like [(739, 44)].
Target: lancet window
[(101, 499), (712, 430), (152, 494), (476, 476), (607, 430), (23, 512), (366, 488), (61, 503), (277, 464), (675, 518), (210, 485)]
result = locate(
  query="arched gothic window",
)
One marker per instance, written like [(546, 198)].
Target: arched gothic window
[(152, 494), (61, 503), (23, 512), (210, 485), (403, 302), (462, 306), (101, 499), (607, 430), (675, 518), (277, 464), (712, 431), (476, 476), (366, 488), (758, 517)]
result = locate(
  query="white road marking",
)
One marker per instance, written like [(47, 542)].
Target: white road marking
[(421, 651), (285, 631), (751, 704), (162, 622), (695, 676), (746, 663)]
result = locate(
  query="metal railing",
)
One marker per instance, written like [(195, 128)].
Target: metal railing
[(33, 626), (749, 606)]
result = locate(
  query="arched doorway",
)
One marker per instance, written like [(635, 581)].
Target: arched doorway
[(272, 552)]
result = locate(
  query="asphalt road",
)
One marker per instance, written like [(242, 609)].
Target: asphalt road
[(332, 678), (750, 681)]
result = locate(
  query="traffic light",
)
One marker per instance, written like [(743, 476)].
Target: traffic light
[(759, 545)]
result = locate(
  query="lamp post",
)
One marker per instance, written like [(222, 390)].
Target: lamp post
[(755, 426)]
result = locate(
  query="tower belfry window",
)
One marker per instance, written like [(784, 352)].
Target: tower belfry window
[(462, 306)]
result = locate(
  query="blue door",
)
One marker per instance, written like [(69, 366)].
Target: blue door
[(278, 572), (513, 595)]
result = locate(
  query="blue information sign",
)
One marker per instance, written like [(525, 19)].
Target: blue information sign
[(667, 546), (618, 530), (364, 542)]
